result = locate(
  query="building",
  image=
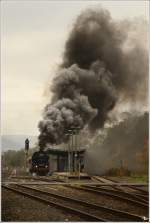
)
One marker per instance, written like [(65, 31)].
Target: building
[(63, 161)]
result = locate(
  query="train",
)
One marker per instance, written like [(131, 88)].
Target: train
[(42, 163), (39, 163)]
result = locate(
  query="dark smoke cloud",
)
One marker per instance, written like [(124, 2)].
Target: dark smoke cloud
[(98, 67), (63, 115), (96, 36), (123, 142)]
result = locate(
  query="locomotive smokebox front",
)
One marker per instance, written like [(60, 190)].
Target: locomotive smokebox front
[(40, 163)]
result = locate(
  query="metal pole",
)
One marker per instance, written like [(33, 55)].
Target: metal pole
[(72, 153), (26, 162), (76, 152), (79, 156), (79, 170), (26, 153), (68, 154)]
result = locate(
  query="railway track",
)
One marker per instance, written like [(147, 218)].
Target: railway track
[(38, 196), (45, 179), (109, 194), (89, 211), (136, 197), (122, 186)]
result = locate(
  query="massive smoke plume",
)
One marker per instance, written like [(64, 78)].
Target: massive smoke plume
[(100, 65), (124, 144)]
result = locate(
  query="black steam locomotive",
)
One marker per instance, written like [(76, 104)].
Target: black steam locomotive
[(40, 163)]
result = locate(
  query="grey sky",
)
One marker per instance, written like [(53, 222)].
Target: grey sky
[(33, 38)]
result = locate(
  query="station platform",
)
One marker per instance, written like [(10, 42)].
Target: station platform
[(73, 175)]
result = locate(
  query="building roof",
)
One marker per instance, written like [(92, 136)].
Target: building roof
[(62, 152)]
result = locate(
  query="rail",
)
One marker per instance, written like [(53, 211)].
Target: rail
[(109, 194), (80, 213), (123, 215)]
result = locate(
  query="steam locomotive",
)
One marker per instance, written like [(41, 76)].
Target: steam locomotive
[(40, 163)]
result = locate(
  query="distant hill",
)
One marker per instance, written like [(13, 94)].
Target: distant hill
[(16, 142)]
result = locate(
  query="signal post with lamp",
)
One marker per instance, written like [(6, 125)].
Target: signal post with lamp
[(26, 153)]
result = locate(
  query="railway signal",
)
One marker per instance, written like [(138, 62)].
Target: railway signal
[(27, 145), (26, 152)]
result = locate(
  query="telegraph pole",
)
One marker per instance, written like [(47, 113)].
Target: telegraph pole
[(76, 132), (72, 149), (75, 163), (68, 133), (69, 161)]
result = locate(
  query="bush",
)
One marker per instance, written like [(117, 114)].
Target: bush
[(118, 172)]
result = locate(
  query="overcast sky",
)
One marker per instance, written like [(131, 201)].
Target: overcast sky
[(33, 38)]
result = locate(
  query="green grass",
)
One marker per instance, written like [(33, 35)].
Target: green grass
[(127, 176), (138, 178)]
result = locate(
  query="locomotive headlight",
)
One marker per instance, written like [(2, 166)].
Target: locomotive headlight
[(46, 166), (36, 166)]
